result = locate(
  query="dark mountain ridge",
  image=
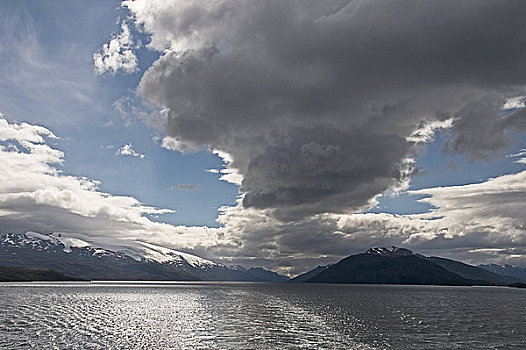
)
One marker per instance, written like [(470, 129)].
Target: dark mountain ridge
[(473, 272), (16, 274), (263, 275), (507, 270), (402, 266), (309, 274)]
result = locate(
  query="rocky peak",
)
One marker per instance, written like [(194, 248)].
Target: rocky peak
[(392, 252)]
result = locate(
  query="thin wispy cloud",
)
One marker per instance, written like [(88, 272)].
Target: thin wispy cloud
[(185, 187), (50, 85)]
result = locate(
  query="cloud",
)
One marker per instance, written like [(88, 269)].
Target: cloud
[(521, 154), (477, 223), (175, 144), (322, 106), (514, 103), (117, 55), (36, 80), (127, 150), (36, 196), (228, 173), (187, 186)]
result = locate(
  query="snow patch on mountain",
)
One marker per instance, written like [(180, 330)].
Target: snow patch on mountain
[(162, 255), (137, 250), (58, 239), (32, 239), (392, 252)]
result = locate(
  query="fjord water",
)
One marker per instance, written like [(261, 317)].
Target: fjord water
[(259, 316)]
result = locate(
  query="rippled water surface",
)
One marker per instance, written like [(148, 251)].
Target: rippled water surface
[(259, 316)]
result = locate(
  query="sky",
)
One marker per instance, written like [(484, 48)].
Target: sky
[(283, 134)]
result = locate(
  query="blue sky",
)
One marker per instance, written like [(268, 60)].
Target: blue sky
[(309, 158), (63, 35), (438, 167)]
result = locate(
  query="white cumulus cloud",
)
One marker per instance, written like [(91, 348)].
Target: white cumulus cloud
[(117, 55), (36, 196), (127, 150)]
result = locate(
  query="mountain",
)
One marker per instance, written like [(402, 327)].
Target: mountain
[(399, 266), (93, 258), (309, 274), (392, 252), (473, 272), (16, 274), (262, 275), (508, 271)]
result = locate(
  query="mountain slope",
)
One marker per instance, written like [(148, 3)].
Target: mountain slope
[(32, 250), (507, 271), (104, 259), (309, 274), (16, 274), (473, 272), (390, 266), (262, 275)]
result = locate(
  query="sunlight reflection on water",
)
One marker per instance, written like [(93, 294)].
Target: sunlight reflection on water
[(257, 316)]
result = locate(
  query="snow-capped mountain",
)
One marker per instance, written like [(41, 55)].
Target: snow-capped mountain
[(140, 251), (99, 258), (391, 252)]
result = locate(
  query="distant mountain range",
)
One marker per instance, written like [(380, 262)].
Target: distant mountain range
[(88, 258), (506, 270), (34, 256), (402, 266), (304, 277)]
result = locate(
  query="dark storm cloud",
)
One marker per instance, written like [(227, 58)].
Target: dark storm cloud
[(323, 169), (314, 101), (481, 131), (476, 223)]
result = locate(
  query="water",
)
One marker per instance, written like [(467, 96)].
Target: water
[(259, 316)]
